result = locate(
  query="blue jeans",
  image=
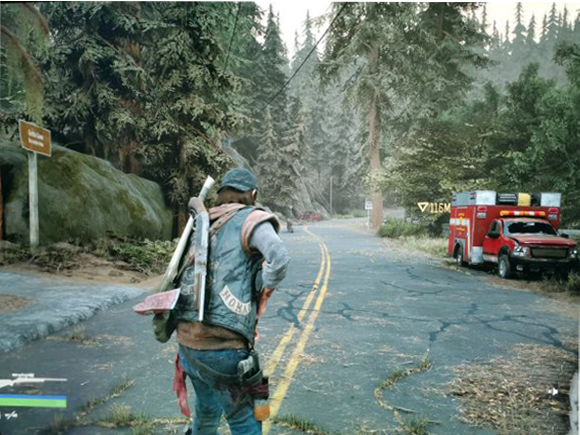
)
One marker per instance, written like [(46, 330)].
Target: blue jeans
[(213, 398)]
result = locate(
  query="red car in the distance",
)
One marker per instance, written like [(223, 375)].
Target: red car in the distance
[(311, 216)]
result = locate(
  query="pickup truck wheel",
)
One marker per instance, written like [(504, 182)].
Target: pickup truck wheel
[(504, 268)]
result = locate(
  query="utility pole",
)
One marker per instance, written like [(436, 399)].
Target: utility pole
[(331, 196)]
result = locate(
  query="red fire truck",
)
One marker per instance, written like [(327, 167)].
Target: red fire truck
[(518, 232)]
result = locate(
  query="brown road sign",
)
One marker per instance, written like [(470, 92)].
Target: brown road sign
[(34, 138)]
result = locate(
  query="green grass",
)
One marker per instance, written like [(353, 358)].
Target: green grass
[(415, 426), (142, 430), (397, 228), (570, 285), (58, 425), (425, 363), (119, 415), (436, 246), (121, 386)]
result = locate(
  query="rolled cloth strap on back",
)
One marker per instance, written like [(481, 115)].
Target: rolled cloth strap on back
[(223, 219), (254, 219), (217, 212)]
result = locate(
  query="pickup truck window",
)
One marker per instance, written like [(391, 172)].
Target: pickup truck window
[(530, 228)]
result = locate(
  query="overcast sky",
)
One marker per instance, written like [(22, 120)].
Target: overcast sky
[(293, 13)]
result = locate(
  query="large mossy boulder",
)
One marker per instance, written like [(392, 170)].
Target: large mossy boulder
[(80, 196)]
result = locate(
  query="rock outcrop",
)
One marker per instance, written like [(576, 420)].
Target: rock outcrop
[(80, 196)]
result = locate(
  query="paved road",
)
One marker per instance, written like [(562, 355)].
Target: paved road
[(350, 314)]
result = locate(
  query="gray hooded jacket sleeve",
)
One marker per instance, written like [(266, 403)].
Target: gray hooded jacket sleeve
[(265, 240)]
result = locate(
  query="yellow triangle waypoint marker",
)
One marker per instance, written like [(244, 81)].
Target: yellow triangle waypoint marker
[(423, 206)]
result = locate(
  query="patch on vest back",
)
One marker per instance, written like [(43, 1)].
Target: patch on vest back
[(233, 303)]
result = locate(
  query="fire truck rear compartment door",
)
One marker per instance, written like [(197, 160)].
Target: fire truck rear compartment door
[(550, 199)]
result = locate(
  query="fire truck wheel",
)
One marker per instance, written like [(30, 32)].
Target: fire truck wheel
[(459, 257), (504, 268)]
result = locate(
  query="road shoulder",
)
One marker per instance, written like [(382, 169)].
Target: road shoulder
[(39, 306)]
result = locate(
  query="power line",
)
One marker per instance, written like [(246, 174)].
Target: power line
[(307, 57), (232, 36)]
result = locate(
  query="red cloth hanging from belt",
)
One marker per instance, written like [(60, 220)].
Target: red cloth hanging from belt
[(180, 387)]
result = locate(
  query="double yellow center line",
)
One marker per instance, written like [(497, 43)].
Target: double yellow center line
[(277, 398)]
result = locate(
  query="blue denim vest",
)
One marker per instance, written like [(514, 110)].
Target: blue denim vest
[(232, 285)]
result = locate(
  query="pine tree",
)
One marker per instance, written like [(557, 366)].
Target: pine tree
[(518, 46), (347, 160), (24, 35), (246, 60), (291, 158), (295, 138), (305, 80), (274, 65), (98, 97), (191, 101), (484, 19), (553, 25), (519, 29), (495, 37), (544, 34), (531, 37), (374, 34), (565, 34), (268, 162), (294, 62)]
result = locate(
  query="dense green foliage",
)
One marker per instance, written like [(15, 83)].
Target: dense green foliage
[(521, 135), (24, 32), (413, 61), (396, 228), (143, 255), (408, 102), (143, 85)]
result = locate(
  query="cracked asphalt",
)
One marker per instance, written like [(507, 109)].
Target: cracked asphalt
[(382, 312)]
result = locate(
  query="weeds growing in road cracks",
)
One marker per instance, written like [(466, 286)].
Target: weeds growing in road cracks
[(76, 335), (516, 395), (61, 424), (407, 426), (291, 421), (415, 426), (121, 415)]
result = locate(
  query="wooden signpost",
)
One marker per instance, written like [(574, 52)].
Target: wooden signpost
[(36, 140)]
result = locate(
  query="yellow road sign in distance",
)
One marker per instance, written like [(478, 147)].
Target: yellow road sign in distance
[(34, 138)]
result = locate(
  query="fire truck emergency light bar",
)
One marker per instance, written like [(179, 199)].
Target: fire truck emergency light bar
[(522, 213)]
